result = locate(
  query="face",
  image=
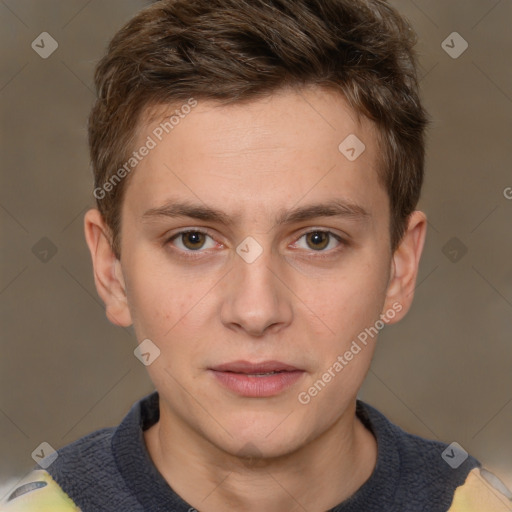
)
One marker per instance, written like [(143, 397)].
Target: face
[(252, 244)]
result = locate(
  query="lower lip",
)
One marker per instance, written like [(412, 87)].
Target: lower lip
[(258, 387)]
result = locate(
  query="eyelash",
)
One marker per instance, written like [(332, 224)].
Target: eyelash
[(187, 254)]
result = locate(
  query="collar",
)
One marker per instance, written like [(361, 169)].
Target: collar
[(154, 493)]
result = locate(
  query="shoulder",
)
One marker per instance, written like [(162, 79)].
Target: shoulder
[(87, 448), (90, 473), (481, 491), (416, 456), (418, 471), (443, 475), (86, 468), (38, 492), (60, 485)]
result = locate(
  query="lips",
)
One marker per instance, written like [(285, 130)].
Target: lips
[(257, 380), (247, 368)]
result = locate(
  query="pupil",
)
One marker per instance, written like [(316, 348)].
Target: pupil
[(193, 239), (319, 237)]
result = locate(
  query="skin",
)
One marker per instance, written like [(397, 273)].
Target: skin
[(219, 450)]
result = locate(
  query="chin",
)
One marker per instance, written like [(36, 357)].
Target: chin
[(258, 452), (262, 441)]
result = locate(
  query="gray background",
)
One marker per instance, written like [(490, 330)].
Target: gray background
[(443, 373)]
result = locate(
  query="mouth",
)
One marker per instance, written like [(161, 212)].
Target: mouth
[(266, 367), (257, 380)]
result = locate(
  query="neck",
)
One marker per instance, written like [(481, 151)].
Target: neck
[(318, 476)]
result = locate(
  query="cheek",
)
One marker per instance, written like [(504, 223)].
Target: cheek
[(350, 301), (160, 303), (351, 307)]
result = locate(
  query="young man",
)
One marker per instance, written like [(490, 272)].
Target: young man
[(257, 168)]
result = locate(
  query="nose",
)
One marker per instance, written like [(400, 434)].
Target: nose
[(255, 298)]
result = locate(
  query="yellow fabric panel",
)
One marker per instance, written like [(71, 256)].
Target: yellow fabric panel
[(478, 495), (475, 495), (37, 497)]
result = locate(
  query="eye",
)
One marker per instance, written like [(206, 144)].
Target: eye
[(319, 240), (193, 240)]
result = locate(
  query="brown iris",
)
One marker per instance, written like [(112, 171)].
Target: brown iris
[(319, 239), (193, 240)]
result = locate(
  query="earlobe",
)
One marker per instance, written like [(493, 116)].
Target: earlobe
[(404, 266), (108, 274)]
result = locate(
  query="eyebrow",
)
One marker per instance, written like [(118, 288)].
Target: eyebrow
[(332, 208)]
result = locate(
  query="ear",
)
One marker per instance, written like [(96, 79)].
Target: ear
[(404, 268), (108, 274)]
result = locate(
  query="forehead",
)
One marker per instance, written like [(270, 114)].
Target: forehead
[(258, 156)]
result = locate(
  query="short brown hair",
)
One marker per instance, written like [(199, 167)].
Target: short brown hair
[(238, 50)]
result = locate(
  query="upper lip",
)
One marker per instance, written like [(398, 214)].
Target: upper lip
[(248, 367)]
